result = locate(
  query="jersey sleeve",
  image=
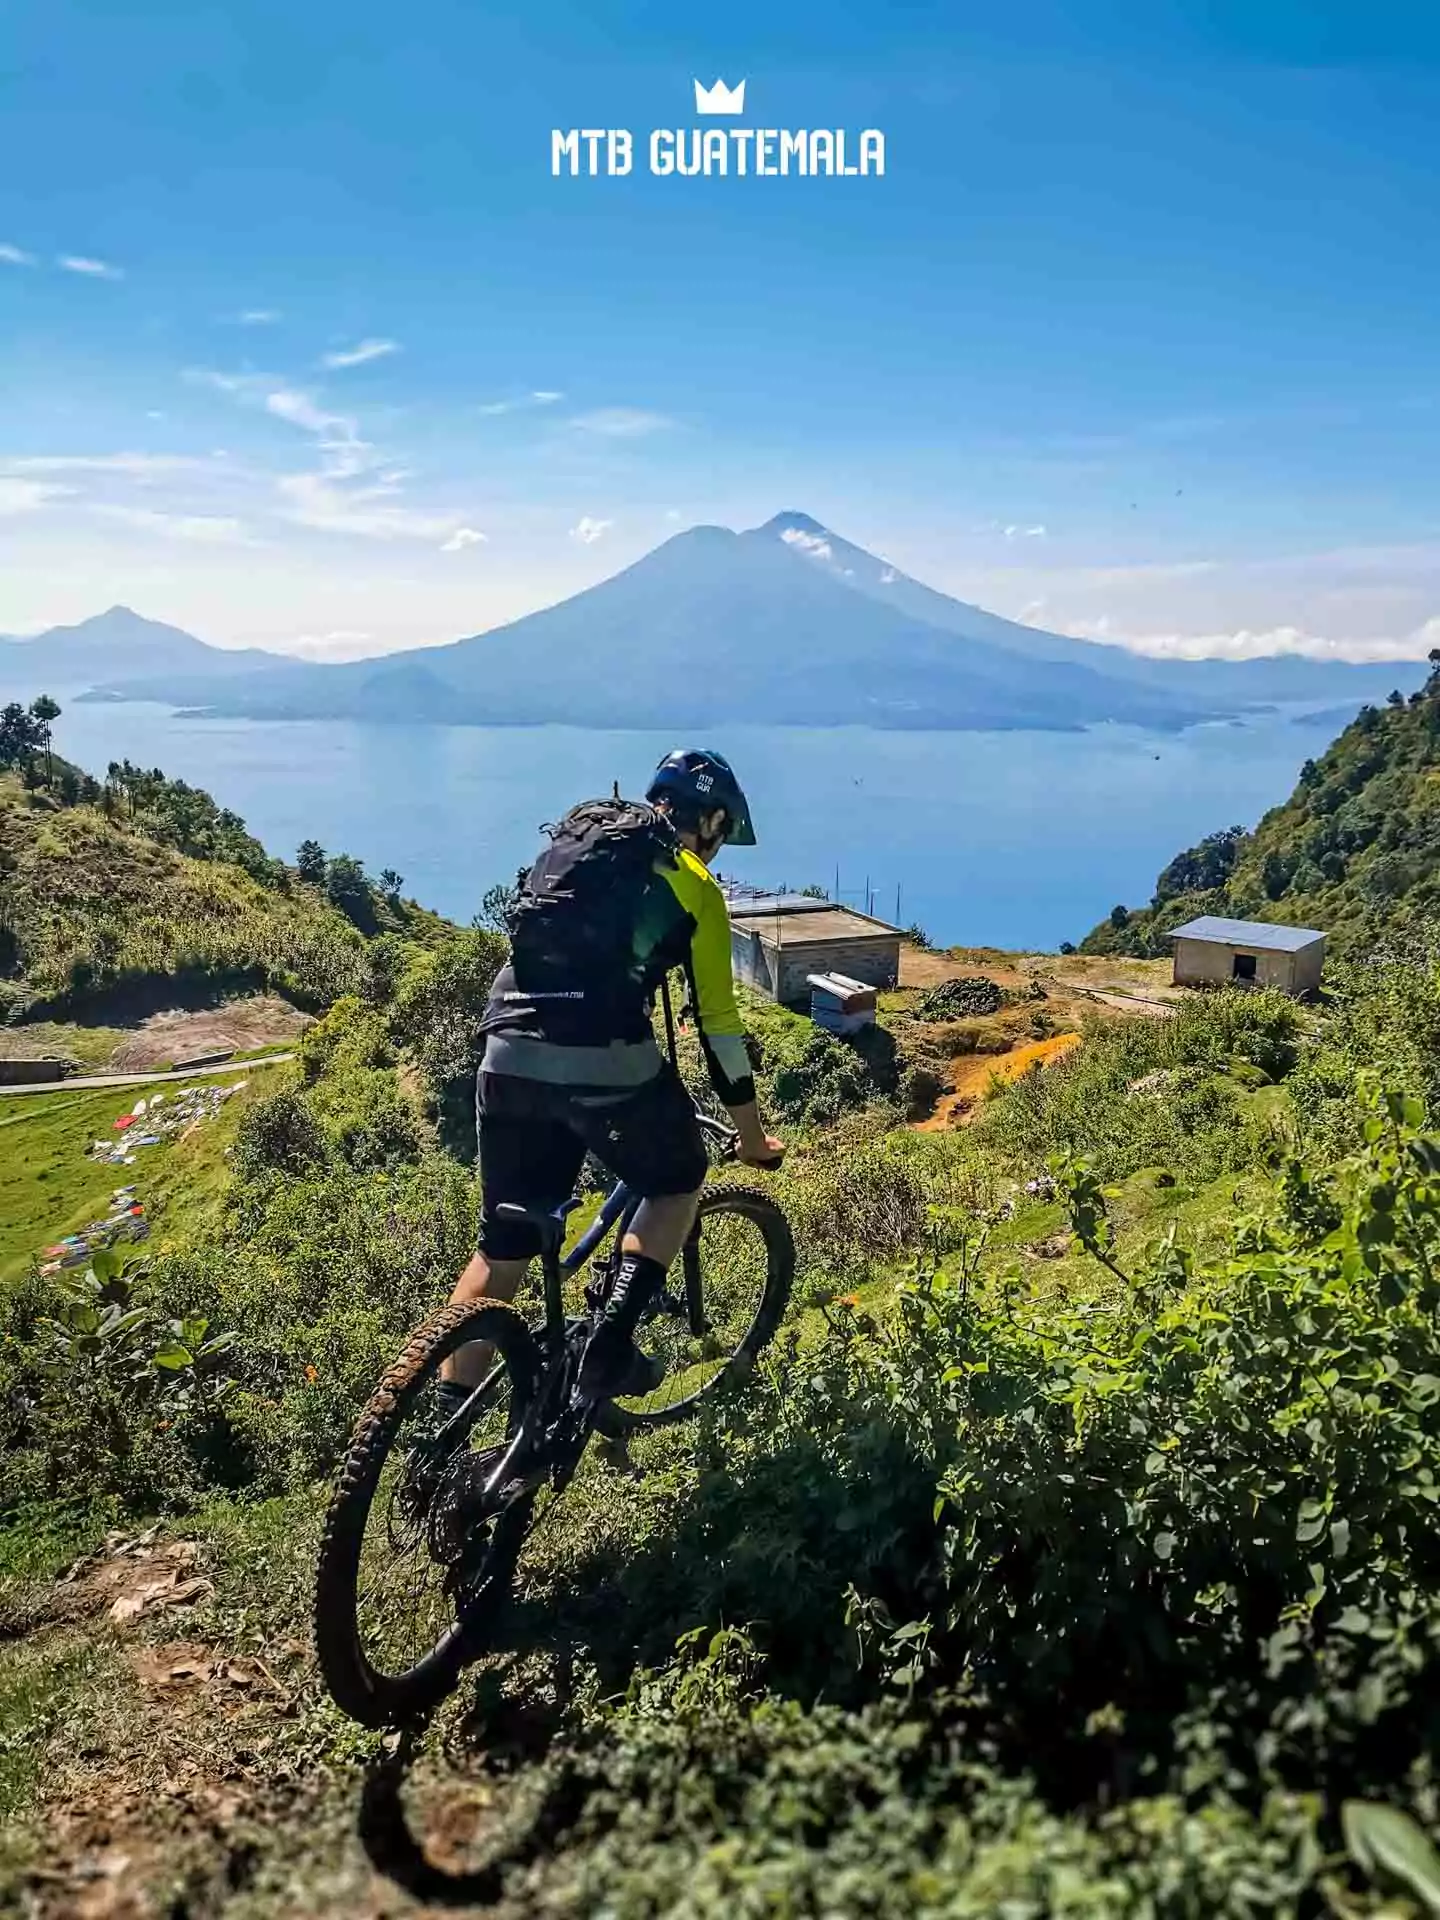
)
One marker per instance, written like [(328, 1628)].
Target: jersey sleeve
[(722, 1032)]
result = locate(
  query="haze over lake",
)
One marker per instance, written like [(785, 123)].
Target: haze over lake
[(1010, 839)]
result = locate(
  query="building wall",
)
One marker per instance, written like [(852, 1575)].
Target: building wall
[(753, 960), (1211, 963), (874, 963), (781, 972)]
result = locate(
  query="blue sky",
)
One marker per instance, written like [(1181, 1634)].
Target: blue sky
[(1135, 338)]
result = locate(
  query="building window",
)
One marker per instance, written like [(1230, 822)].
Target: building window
[(1244, 967)]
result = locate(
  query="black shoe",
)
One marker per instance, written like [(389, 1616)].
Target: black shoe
[(613, 1366), (612, 1363)]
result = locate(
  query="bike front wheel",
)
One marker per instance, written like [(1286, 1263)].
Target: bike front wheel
[(724, 1299), (408, 1564)]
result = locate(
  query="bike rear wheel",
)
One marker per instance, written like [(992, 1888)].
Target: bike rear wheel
[(406, 1573), (735, 1276)]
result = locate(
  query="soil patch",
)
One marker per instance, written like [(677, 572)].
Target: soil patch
[(973, 1076), (238, 1026), (130, 1578)]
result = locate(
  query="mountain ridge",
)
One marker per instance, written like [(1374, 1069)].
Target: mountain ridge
[(787, 622)]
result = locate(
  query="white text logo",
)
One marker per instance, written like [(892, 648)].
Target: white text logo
[(751, 152)]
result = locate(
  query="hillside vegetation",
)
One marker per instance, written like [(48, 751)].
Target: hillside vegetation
[(1354, 851), (1072, 1553), (142, 882)]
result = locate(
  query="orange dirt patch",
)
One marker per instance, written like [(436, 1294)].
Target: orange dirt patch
[(973, 1076)]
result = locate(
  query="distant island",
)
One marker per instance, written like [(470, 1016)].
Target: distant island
[(787, 624)]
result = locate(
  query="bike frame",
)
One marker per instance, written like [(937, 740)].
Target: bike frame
[(620, 1206)]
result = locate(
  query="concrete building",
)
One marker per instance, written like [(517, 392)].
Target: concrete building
[(1213, 952), (780, 940)]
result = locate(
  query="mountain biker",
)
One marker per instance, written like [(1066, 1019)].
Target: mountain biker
[(571, 1071)]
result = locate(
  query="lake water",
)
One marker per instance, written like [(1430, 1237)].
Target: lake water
[(1013, 839)]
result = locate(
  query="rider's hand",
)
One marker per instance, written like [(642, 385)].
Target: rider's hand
[(763, 1151)]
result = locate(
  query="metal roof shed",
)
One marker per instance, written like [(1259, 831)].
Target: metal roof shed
[(1213, 952), (778, 942)]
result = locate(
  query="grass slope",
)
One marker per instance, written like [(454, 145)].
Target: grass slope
[(48, 1187), (1355, 850)]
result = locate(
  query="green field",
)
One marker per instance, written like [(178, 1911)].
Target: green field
[(49, 1187)]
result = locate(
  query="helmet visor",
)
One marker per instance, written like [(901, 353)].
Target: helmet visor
[(739, 833)]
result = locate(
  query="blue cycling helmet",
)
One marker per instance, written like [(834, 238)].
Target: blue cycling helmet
[(696, 781)]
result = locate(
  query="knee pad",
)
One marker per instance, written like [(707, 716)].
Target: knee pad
[(502, 1239)]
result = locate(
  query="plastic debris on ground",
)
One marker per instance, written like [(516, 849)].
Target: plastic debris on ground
[(189, 1108), (125, 1222), (163, 1119)]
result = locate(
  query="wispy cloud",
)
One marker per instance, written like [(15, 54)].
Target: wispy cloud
[(461, 538), (200, 529), (15, 256), (345, 643), (1017, 532), (815, 544), (137, 466), (360, 353), (257, 317), (357, 489), (93, 269), (542, 397), (28, 496), (1260, 644), (588, 531), (621, 423)]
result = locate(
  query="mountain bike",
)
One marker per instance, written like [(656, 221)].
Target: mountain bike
[(426, 1536)]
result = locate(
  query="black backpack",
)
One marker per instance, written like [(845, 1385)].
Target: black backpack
[(572, 928)]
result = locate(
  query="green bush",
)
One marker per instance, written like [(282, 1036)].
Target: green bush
[(1150, 1591), (279, 1134), (436, 1017)]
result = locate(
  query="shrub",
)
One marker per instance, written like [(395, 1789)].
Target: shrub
[(279, 1134), (436, 1017)]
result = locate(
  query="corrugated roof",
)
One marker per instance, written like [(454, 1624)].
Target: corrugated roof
[(1247, 933), (742, 904)]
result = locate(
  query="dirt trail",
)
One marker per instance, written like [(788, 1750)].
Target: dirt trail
[(974, 1075)]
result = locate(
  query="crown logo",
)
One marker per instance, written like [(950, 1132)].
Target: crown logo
[(719, 98)]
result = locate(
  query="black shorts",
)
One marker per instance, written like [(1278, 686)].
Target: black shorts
[(534, 1138)]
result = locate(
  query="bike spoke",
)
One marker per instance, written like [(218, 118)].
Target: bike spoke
[(733, 1262)]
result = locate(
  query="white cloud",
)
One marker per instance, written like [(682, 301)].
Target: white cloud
[(28, 496), (461, 538), (302, 409), (200, 529), (15, 256), (357, 489), (542, 397), (257, 317), (319, 500), (815, 544), (93, 269), (674, 514), (620, 423), (358, 355), (136, 466), (1024, 533), (588, 531), (345, 643), (1263, 644)]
